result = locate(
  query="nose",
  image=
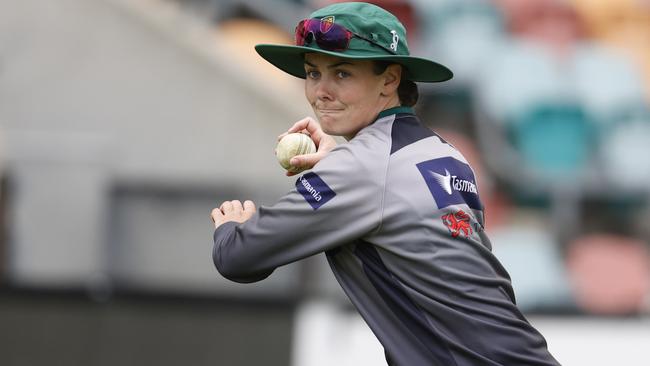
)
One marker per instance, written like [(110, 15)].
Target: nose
[(324, 89)]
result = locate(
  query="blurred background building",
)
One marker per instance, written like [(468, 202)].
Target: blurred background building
[(124, 122)]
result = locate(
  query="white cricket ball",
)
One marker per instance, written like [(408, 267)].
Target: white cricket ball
[(291, 145)]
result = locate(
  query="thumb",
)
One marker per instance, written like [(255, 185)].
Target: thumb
[(305, 161)]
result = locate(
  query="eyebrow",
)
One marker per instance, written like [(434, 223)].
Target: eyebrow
[(332, 65)]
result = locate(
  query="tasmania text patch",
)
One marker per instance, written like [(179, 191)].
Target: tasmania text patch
[(451, 182), (314, 189)]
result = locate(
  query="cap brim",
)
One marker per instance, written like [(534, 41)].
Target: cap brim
[(290, 60)]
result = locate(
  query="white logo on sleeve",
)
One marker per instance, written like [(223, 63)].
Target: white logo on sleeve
[(393, 45), (443, 180), (449, 182)]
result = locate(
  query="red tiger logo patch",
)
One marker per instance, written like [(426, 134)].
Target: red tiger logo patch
[(458, 223)]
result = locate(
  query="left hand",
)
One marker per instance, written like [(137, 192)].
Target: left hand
[(233, 211)]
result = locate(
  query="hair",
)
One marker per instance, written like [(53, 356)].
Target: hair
[(407, 90)]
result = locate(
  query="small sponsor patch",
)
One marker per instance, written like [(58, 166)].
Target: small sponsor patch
[(451, 182), (326, 23), (315, 191), (458, 223)]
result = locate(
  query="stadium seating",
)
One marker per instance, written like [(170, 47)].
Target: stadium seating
[(610, 274), (605, 82), (624, 150), (632, 40), (463, 36), (533, 259), (553, 140), (601, 16), (553, 23), (518, 76)]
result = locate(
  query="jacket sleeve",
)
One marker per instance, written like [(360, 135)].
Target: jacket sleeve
[(337, 202)]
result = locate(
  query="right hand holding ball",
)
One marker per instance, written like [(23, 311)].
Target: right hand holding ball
[(291, 145), (310, 129)]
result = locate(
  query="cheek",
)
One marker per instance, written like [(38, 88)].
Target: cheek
[(309, 92), (361, 99), (353, 96), (364, 91)]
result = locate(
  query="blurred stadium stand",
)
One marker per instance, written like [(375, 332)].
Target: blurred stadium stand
[(610, 274), (123, 122)]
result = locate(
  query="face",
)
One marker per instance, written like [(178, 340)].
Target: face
[(346, 94)]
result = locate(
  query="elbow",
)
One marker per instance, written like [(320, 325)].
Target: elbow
[(241, 276), (230, 269)]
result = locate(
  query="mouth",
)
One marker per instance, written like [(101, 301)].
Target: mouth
[(329, 110)]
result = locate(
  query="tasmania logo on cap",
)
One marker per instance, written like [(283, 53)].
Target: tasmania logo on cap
[(315, 191), (451, 182), (326, 23)]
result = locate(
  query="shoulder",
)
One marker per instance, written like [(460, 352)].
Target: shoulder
[(411, 140), (361, 160)]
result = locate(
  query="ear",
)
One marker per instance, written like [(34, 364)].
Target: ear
[(391, 79)]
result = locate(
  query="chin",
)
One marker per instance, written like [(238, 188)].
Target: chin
[(327, 123), (330, 131)]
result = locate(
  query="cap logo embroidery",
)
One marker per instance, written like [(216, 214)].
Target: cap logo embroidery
[(326, 23), (393, 45)]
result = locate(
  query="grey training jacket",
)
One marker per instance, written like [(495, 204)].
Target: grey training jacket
[(397, 212)]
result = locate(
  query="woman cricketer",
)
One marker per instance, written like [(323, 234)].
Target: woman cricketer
[(395, 208)]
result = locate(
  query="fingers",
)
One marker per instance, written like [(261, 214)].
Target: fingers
[(306, 161), (249, 206), (326, 144), (306, 125), (233, 208), (226, 207), (233, 211), (216, 215), (237, 207)]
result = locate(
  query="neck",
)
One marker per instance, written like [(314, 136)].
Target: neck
[(392, 102), (388, 104)]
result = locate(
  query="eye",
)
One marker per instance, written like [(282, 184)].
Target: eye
[(313, 74), (342, 74)]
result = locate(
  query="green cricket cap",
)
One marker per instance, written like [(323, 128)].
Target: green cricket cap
[(371, 22)]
